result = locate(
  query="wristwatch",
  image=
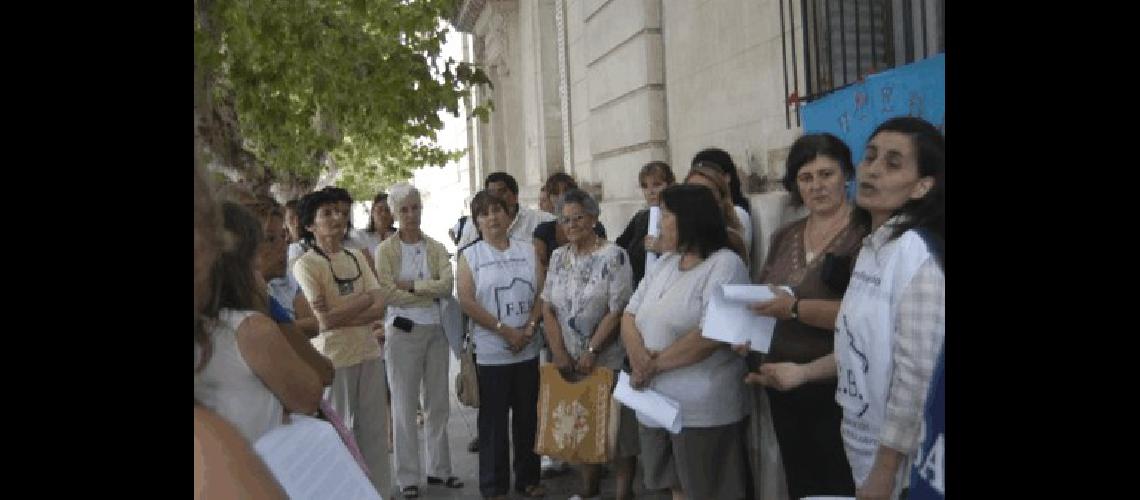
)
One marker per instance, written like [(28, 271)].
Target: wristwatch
[(796, 309)]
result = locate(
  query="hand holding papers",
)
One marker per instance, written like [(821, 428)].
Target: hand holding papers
[(654, 231), (309, 459), (649, 403), (728, 318)]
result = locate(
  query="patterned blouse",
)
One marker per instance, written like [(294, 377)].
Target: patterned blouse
[(584, 288)]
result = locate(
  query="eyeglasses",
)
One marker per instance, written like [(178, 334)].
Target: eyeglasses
[(567, 220)]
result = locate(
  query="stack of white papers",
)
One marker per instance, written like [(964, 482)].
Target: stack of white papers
[(648, 403), (310, 461), (654, 231), (729, 320)]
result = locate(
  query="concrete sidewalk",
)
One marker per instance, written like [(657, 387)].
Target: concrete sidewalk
[(461, 429)]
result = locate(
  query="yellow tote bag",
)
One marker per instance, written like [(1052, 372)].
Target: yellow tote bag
[(575, 418)]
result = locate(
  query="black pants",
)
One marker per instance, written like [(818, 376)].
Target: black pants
[(507, 390), (807, 420)]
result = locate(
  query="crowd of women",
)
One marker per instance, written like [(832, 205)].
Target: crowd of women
[(352, 320)]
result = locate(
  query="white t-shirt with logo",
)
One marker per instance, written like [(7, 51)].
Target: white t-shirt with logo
[(505, 285)]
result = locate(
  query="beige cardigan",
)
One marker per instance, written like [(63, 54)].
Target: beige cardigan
[(387, 261)]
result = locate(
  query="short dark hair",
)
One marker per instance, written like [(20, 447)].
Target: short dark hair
[(928, 212), (342, 194), (700, 224), (307, 210), (722, 160), (805, 150), (481, 203), (505, 178), (559, 180), (658, 168)]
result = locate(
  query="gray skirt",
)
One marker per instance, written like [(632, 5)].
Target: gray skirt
[(704, 462)]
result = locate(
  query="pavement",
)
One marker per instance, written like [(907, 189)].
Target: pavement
[(461, 429)]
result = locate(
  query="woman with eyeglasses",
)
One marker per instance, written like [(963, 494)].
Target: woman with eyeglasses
[(347, 300), (499, 287), (588, 284)]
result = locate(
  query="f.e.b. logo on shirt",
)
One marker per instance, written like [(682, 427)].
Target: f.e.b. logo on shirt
[(515, 299)]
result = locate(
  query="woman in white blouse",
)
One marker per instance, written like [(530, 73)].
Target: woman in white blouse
[(662, 334), (587, 288), (246, 370)]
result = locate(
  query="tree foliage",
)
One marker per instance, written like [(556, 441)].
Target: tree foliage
[(294, 86)]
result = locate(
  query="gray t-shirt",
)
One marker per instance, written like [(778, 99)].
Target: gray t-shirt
[(668, 304)]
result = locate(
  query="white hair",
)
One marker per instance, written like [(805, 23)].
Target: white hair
[(399, 192)]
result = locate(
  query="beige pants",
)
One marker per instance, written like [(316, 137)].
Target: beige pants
[(359, 394), (419, 359)]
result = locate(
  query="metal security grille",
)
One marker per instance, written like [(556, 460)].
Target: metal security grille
[(829, 44)]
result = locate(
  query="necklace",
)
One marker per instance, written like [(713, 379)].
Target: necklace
[(817, 239)]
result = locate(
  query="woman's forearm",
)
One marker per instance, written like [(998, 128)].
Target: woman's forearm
[(341, 315), (631, 337), (608, 329), (818, 313), (821, 369), (553, 332), (689, 349), (305, 350)]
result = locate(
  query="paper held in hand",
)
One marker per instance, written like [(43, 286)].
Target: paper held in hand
[(309, 459), (649, 404), (654, 231), (729, 320)]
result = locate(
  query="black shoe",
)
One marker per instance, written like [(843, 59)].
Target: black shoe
[(473, 447), (410, 492), (452, 482)]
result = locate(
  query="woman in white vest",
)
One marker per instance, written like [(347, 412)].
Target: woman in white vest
[(414, 272), (892, 320), (499, 287)]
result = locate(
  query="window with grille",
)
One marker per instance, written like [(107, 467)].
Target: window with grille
[(829, 44)]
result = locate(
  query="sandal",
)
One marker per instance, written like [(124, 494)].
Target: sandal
[(534, 491), (410, 492), (451, 482)]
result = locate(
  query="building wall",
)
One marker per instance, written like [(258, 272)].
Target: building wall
[(617, 95), (725, 81), (646, 79)]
